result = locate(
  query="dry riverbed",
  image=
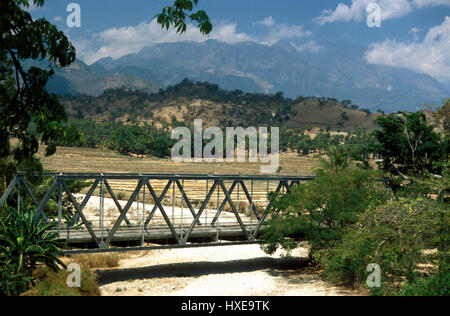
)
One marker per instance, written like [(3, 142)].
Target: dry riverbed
[(243, 270), (216, 271)]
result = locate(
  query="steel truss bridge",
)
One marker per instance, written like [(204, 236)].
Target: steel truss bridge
[(162, 210)]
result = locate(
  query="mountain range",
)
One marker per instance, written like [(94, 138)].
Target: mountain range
[(335, 70)]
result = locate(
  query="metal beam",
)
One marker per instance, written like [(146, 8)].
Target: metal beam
[(200, 212), (113, 196), (180, 187), (233, 207), (224, 202), (7, 192), (134, 176), (85, 200), (162, 247), (155, 208), (266, 212), (45, 200), (79, 210), (122, 215), (30, 192), (250, 200), (163, 212)]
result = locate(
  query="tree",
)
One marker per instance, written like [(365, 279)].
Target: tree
[(176, 14), (347, 102), (442, 117), (368, 112), (27, 111), (344, 116), (409, 145), (339, 159)]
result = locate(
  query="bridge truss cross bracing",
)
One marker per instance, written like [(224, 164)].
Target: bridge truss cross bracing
[(153, 211)]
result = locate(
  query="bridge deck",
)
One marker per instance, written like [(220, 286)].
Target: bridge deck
[(228, 231)]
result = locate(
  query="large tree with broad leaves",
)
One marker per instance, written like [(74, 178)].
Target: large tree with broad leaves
[(28, 113), (176, 15)]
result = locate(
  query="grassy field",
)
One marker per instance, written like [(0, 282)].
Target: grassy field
[(68, 159)]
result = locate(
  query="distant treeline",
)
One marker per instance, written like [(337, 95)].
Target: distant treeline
[(360, 143), (124, 138), (149, 140)]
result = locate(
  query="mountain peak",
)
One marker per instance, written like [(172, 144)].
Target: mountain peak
[(283, 44)]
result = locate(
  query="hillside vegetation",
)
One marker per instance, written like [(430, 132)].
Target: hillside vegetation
[(187, 101)]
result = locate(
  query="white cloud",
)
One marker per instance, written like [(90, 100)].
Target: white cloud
[(357, 11), (431, 56), (311, 46), (269, 21), (57, 18), (118, 42), (278, 31), (389, 9), (430, 3), (284, 31)]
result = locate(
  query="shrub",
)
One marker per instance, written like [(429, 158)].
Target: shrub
[(345, 116), (12, 282), (120, 196), (434, 285), (393, 235), (322, 209), (24, 243), (348, 261), (97, 261), (51, 283)]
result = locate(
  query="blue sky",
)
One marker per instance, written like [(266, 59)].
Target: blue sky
[(415, 34)]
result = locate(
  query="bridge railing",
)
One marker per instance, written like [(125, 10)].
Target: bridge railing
[(154, 208)]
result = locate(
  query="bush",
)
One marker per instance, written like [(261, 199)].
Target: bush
[(393, 235), (434, 285), (348, 261), (51, 283), (97, 261), (24, 243), (12, 283), (120, 196), (322, 209)]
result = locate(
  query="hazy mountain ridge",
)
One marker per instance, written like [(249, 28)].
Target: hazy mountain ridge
[(80, 78), (336, 71), (394, 88), (247, 66)]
